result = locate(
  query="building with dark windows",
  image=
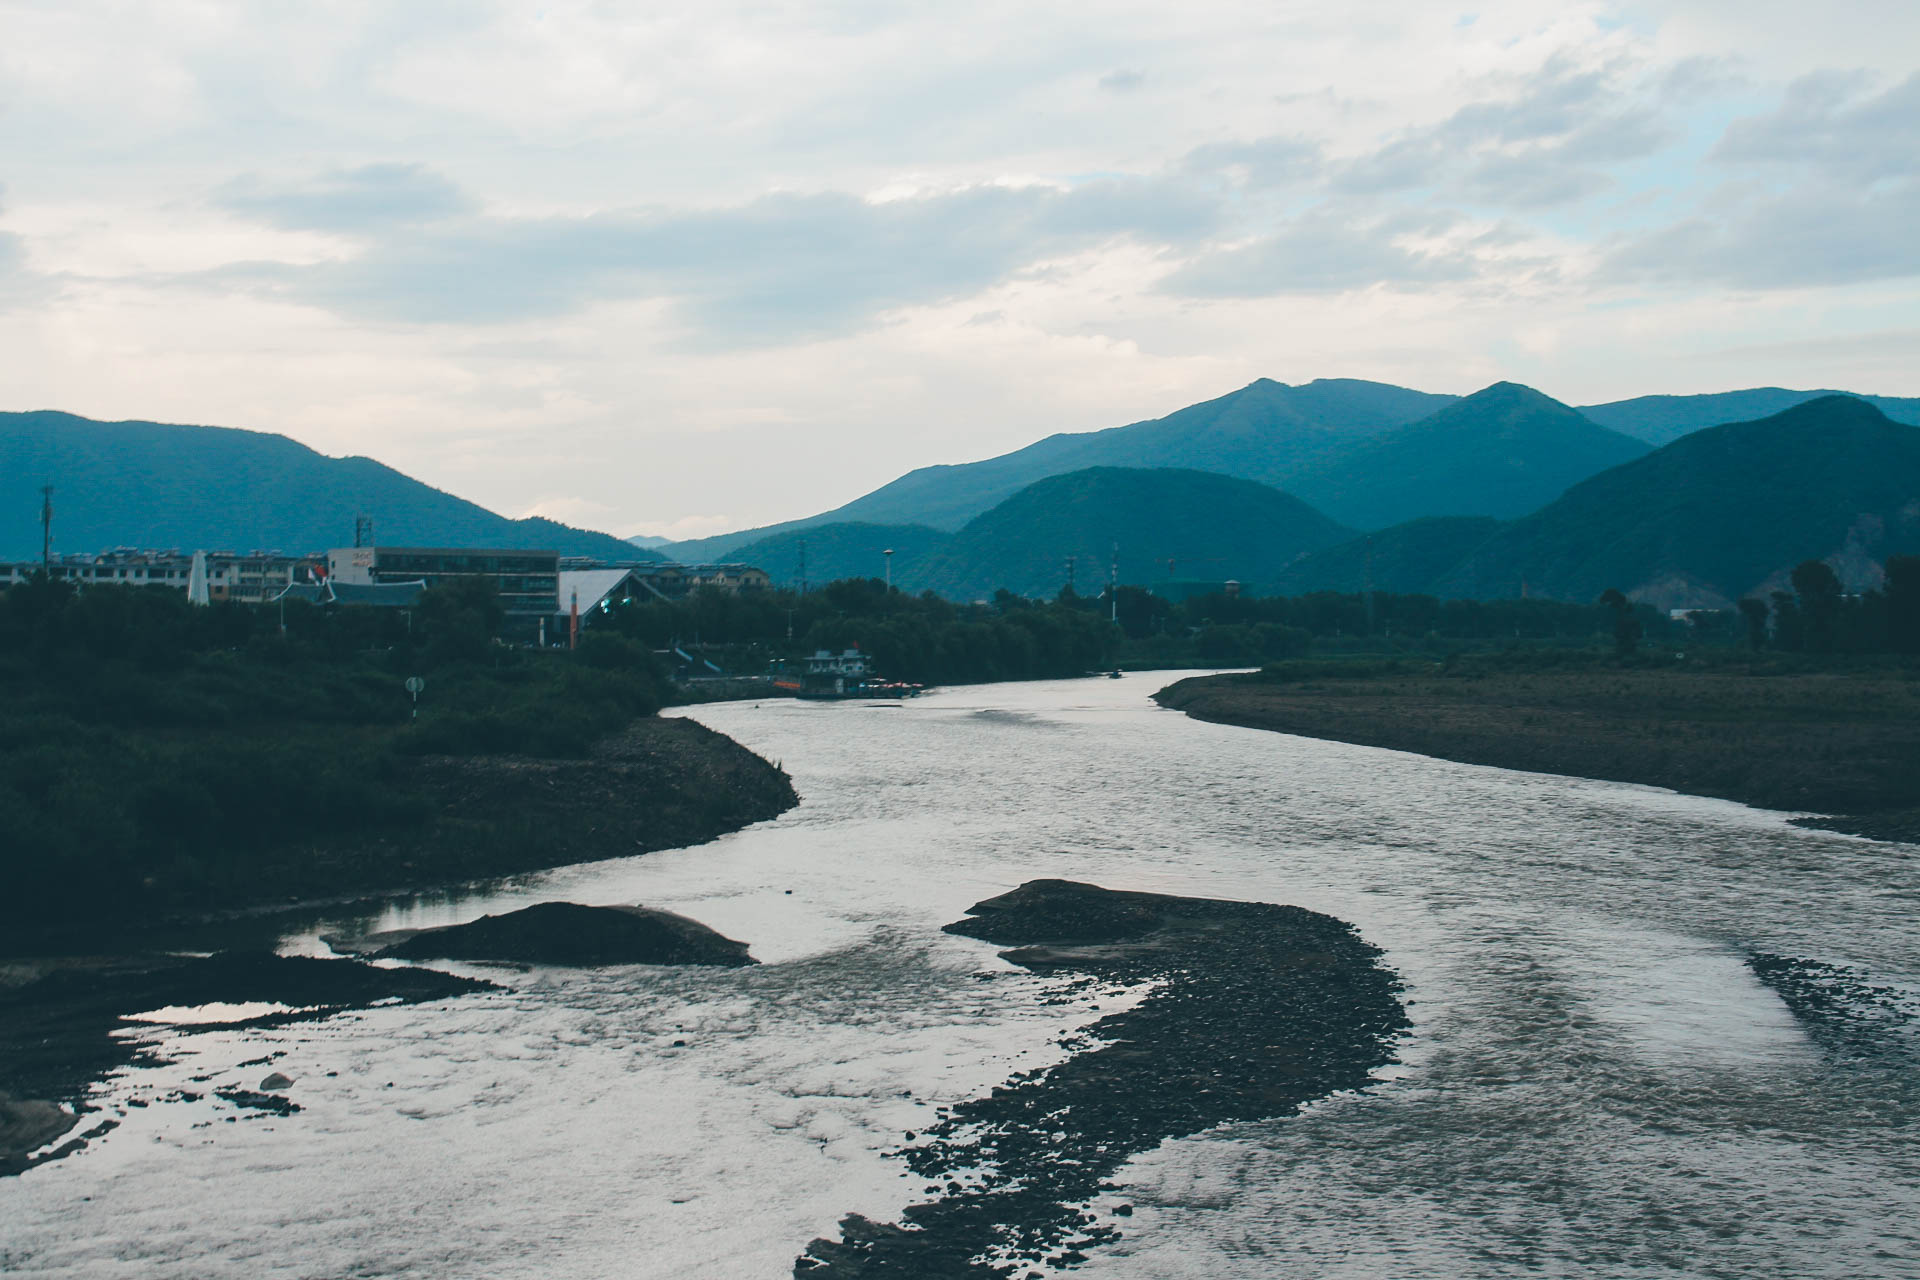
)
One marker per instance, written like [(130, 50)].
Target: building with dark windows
[(526, 582)]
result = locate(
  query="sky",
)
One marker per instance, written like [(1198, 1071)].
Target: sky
[(678, 270)]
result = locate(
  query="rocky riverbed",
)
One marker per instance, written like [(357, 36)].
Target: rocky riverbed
[(1251, 1010)]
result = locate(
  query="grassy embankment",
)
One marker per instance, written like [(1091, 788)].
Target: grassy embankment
[(170, 778), (1840, 738)]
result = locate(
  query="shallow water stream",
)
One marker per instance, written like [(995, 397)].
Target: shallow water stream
[(1599, 1081)]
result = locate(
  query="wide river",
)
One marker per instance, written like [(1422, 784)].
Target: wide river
[(1596, 1084)]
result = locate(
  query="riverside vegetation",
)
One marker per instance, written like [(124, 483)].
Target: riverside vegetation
[(160, 760)]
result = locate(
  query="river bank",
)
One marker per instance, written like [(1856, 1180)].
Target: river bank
[(70, 986), (1843, 744), (659, 783)]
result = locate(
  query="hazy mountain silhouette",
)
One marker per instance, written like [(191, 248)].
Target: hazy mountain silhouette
[(1313, 441), (149, 484), (1501, 452), (1266, 431), (1719, 513), (1663, 419), (1210, 526)]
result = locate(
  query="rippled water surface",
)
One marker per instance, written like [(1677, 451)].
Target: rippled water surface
[(1597, 1084)]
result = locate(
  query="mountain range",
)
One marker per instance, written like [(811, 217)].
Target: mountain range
[(1719, 513), (1492, 494), (156, 485), (1332, 443)]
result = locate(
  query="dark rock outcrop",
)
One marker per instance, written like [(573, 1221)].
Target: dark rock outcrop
[(570, 934)]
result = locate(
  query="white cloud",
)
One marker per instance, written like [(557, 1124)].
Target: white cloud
[(367, 198), (754, 258)]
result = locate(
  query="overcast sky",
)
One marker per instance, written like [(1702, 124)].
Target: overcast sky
[(729, 263)]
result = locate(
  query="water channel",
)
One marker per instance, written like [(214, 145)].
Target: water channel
[(1598, 1082)]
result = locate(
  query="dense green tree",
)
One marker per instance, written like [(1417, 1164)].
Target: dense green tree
[(459, 620), (1755, 614), (1626, 627), (1820, 594), (1789, 626), (1903, 603)]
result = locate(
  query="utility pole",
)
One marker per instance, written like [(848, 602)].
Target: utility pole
[(1070, 560), (803, 566), (1113, 587), (46, 532)]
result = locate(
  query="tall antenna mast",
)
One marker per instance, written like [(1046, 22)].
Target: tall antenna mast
[(1113, 586), (363, 531), (1070, 560), (803, 566), (46, 531)]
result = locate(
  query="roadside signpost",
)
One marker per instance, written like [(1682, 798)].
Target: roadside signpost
[(414, 685)]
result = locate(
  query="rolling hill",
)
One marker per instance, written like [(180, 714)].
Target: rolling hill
[(1501, 452), (844, 549), (1316, 440), (1719, 513), (1407, 559), (1266, 431), (149, 484), (1209, 525)]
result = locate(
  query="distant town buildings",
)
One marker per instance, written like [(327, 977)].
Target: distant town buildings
[(253, 578), (529, 584)]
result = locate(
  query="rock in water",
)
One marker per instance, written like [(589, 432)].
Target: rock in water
[(570, 934), (1057, 911)]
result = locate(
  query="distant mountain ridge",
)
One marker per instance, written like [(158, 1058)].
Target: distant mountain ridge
[(1265, 431), (1501, 452), (1302, 439), (1719, 513), (159, 485), (1661, 420)]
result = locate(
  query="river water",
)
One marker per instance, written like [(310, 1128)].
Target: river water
[(1597, 1083)]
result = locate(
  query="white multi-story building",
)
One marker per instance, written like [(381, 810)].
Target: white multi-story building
[(252, 578)]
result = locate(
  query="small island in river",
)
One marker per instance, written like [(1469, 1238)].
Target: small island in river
[(1252, 1010)]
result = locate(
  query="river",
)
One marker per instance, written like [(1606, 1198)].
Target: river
[(1597, 1082)]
